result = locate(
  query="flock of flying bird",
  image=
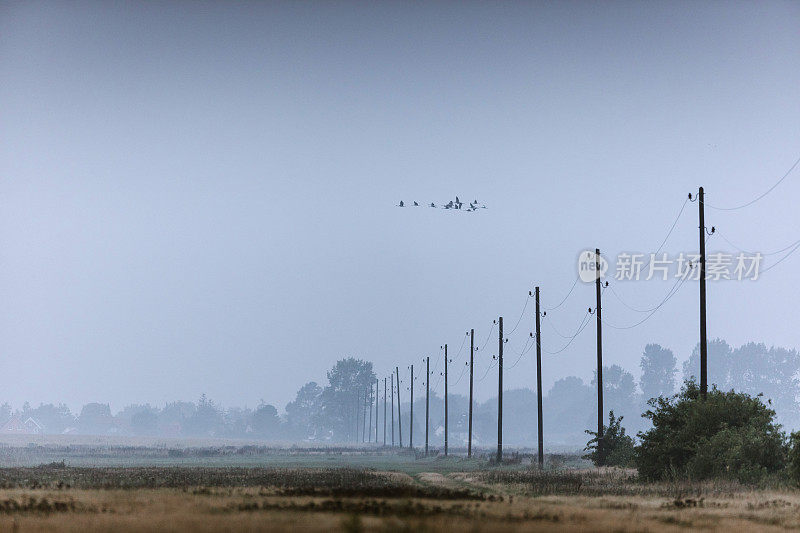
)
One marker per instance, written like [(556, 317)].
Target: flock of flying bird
[(457, 204)]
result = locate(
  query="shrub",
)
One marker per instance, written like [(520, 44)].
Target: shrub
[(614, 449), (728, 434), (794, 457)]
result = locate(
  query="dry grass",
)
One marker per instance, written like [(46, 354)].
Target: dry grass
[(341, 499)]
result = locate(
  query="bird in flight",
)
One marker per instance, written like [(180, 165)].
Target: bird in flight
[(452, 204)]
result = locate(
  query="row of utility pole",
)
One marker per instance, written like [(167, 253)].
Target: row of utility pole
[(599, 285)]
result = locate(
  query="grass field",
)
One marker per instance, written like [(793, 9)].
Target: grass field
[(206, 489)]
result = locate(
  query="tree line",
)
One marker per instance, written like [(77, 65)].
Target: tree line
[(334, 411)]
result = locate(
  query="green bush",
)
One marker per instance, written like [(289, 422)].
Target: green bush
[(614, 449), (728, 434), (794, 457)]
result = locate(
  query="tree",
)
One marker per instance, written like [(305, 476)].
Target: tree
[(719, 364), (619, 393), (728, 434), (236, 421), (659, 367), (343, 398), (54, 419), (266, 422), (145, 422), (571, 402), (175, 416), (794, 457), (302, 414), (206, 420), (754, 369), (614, 449), (95, 419)]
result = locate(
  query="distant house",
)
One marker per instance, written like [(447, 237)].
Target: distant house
[(16, 426)]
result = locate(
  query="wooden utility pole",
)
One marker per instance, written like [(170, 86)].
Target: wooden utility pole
[(411, 420), (358, 413), (703, 338), (445, 400), (539, 382), (399, 412), (377, 403), (471, 353), (364, 424), (384, 411), (599, 352), (392, 380), (427, 400), (369, 434), (500, 394)]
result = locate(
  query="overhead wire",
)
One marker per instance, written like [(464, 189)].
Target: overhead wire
[(574, 284), (781, 260), (522, 314), (757, 198), (671, 229), (488, 337), (491, 366), (673, 290), (765, 254), (524, 351), (581, 327)]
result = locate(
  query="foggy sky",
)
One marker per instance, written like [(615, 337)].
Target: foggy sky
[(198, 197)]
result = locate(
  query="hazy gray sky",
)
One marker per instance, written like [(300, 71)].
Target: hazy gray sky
[(198, 197)]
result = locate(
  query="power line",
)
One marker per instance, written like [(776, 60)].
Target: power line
[(491, 366), (527, 299), (463, 371), (751, 202), (637, 310), (463, 342), (521, 354), (664, 241), (574, 284), (580, 329), (527, 341), (673, 290), (671, 229), (781, 259), (765, 254), (488, 337)]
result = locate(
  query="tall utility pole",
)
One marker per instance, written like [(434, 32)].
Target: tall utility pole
[(399, 412), (411, 421), (358, 412), (377, 403), (427, 400), (445, 400), (369, 434), (392, 380), (364, 424), (539, 382), (703, 339), (599, 351), (500, 394), (384, 411), (471, 352)]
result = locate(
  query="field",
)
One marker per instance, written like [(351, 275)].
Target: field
[(89, 487)]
